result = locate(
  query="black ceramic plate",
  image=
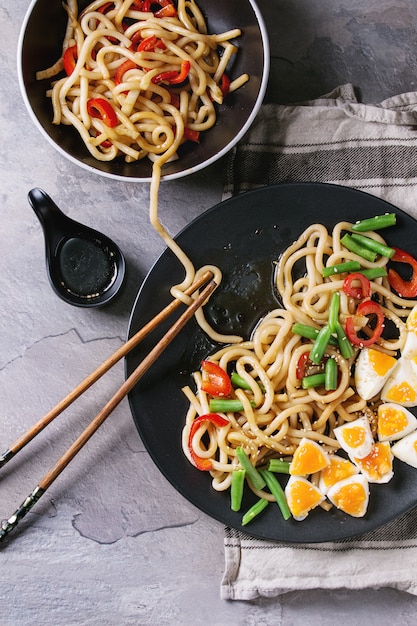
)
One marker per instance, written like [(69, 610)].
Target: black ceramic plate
[(244, 236)]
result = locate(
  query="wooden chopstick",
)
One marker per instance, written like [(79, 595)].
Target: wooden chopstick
[(99, 372), (8, 525)]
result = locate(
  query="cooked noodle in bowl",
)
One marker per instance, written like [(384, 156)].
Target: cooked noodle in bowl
[(164, 68)]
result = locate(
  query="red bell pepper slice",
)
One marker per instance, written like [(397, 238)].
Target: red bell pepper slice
[(216, 382), (166, 11), (136, 40), (167, 7), (175, 100), (105, 8), (364, 291), (225, 85), (182, 74), (301, 365), (104, 144), (173, 77), (69, 59), (100, 108), (146, 45), (150, 43), (404, 288), (201, 463), (188, 134), (368, 307), (191, 135), (142, 5), (122, 69)]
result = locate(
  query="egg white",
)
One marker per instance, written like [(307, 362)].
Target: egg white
[(403, 374), (406, 449), (367, 381), (409, 350), (352, 480), (290, 496), (302, 455), (405, 414), (369, 466), (346, 469), (362, 450)]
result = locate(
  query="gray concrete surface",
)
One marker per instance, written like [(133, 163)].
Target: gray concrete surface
[(112, 543)]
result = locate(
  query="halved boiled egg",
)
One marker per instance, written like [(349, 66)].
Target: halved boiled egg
[(394, 422), (377, 466), (302, 496), (355, 438), (406, 449), (410, 347), (351, 495), (338, 469), (401, 386), (371, 372), (413, 363), (308, 458)]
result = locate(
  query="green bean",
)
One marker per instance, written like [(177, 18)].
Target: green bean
[(345, 346), (330, 374), (374, 272), (334, 311), (309, 332), (236, 488), (353, 246), (239, 381), (315, 380), (374, 246), (279, 466), (339, 268), (222, 405), (278, 493), (375, 223), (257, 508), (320, 345), (251, 472)]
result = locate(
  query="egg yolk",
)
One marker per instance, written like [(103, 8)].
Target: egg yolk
[(337, 469), (308, 459), (381, 363), (351, 499), (391, 421), (378, 463), (402, 392), (415, 446), (303, 498), (354, 436)]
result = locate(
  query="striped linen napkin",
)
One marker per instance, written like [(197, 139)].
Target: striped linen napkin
[(334, 139)]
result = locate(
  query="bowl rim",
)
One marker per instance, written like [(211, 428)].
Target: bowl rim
[(139, 179)]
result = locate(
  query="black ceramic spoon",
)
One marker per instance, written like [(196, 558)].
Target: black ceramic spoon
[(85, 267)]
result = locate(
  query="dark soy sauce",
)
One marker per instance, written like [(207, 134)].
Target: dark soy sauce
[(86, 268)]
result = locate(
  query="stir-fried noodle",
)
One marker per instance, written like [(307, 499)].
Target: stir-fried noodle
[(277, 412)]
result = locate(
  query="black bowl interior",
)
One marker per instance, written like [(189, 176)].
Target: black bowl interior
[(40, 46)]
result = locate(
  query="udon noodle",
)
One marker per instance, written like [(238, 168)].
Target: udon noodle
[(277, 412), (142, 78)]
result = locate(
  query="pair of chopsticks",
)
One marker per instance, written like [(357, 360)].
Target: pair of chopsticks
[(6, 526)]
